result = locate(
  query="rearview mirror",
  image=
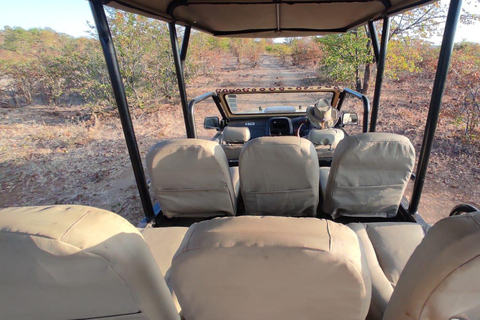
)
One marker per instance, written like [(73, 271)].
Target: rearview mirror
[(211, 123), (350, 118)]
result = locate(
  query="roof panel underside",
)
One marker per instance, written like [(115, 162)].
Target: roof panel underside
[(259, 18)]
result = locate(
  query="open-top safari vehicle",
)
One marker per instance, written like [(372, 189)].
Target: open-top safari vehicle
[(295, 218)]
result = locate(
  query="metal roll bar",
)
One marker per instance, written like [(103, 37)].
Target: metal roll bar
[(365, 101), (436, 101), (380, 70), (179, 58), (105, 38)]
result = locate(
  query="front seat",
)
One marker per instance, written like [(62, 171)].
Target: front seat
[(279, 176), (77, 262), (368, 176), (233, 139), (191, 178), (323, 117)]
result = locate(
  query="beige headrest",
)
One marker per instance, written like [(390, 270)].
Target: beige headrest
[(191, 178), (325, 137), (368, 175), (322, 115), (279, 176), (236, 134), (271, 268), (442, 277), (76, 262)]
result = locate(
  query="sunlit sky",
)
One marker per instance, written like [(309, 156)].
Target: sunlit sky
[(71, 16)]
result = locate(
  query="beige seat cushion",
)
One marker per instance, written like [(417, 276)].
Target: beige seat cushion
[(233, 139), (235, 174), (279, 176), (164, 243), (191, 178), (368, 175), (271, 268), (387, 247), (235, 135), (324, 172), (76, 262), (442, 277)]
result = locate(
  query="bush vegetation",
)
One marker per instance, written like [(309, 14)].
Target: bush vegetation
[(41, 66)]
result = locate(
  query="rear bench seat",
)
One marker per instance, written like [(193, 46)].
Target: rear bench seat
[(387, 247), (278, 268), (77, 262)]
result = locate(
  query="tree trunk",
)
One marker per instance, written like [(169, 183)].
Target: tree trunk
[(366, 78)]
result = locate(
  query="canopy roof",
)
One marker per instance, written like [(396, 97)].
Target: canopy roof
[(267, 18)]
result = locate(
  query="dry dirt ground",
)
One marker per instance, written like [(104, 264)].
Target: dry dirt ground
[(66, 155)]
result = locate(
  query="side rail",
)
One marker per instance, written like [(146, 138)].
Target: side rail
[(463, 208), (365, 101), (200, 98)]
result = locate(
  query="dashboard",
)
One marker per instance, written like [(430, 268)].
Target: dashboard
[(275, 126)]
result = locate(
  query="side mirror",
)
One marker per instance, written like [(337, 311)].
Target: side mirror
[(211, 123), (350, 118)]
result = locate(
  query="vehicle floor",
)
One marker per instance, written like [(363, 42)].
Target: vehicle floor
[(69, 155)]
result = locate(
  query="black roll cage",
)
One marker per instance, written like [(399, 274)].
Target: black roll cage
[(379, 51)]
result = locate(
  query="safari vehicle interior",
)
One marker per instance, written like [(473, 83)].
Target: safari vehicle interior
[(282, 215)]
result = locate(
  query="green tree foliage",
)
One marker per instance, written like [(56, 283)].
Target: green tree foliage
[(347, 58), (51, 68)]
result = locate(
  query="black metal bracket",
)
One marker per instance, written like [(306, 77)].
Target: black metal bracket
[(189, 124), (463, 208), (374, 37), (380, 71)]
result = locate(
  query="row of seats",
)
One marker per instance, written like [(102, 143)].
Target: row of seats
[(77, 262), (281, 176), (325, 141)]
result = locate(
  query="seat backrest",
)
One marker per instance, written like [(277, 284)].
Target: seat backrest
[(369, 174), (441, 280), (191, 178), (271, 268), (233, 140), (236, 135), (325, 137), (76, 262), (279, 176)]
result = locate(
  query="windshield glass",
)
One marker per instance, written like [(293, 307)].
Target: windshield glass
[(274, 102)]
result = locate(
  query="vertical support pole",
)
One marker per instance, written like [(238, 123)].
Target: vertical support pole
[(181, 81), (105, 38), (374, 38), (183, 50), (436, 101), (380, 70)]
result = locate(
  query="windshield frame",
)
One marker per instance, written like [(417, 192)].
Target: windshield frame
[(222, 94)]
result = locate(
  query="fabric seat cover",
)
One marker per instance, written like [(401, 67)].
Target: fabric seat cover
[(191, 178), (442, 277), (233, 139), (325, 141), (76, 262), (271, 268), (368, 176), (279, 176), (387, 247)]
